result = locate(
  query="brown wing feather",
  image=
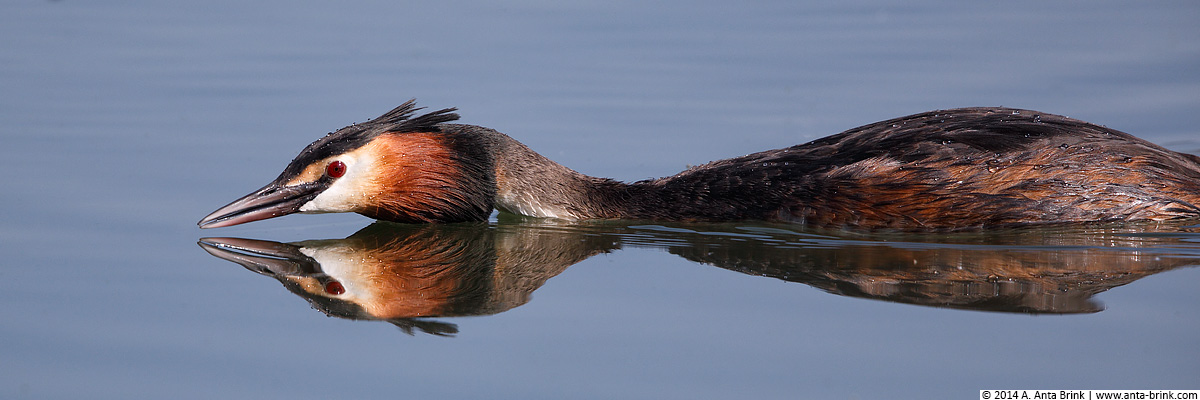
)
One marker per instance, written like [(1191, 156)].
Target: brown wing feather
[(961, 168)]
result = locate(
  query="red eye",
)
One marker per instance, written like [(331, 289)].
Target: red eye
[(335, 288), (335, 169)]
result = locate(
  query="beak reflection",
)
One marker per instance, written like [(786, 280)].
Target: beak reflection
[(261, 256)]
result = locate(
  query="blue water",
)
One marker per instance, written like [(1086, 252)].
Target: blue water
[(124, 122)]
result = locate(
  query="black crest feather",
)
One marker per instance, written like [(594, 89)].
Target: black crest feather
[(398, 120)]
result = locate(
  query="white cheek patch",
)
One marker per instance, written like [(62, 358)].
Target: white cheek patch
[(341, 264), (337, 198), (345, 194)]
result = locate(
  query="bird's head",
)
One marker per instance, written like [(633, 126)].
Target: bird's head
[(396, 167)]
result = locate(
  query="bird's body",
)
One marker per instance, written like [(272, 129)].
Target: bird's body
[(943, 170)]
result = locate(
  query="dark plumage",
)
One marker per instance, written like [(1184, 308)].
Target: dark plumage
[(970, 167)]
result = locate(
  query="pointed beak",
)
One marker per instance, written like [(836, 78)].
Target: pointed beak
[(261, 256), (271, 201)]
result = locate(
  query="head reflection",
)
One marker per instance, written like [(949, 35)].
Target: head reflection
[(406, 274)]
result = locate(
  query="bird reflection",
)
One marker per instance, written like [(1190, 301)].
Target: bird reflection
[(407, 274)]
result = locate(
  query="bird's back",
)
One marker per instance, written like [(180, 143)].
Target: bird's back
[(951, 169)]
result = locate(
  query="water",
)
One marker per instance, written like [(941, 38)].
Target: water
[(125, 122)]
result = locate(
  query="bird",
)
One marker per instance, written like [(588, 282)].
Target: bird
[(944, 170)]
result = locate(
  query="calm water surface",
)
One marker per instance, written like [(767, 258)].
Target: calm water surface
[(127, 121)]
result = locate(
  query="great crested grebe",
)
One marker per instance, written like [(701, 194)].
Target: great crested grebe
[(940, 170)]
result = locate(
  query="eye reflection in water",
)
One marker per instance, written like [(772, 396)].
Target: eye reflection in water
[(406, 274)]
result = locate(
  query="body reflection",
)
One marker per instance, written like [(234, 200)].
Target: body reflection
[(405, 274)]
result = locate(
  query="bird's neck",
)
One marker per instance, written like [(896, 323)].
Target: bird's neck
[(528, 183)]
